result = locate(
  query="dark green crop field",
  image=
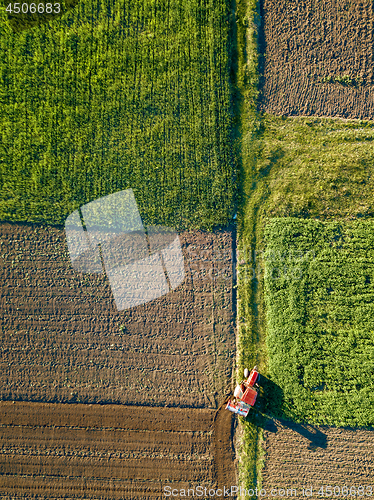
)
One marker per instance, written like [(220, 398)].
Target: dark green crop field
[(117, 95), (319, 294)]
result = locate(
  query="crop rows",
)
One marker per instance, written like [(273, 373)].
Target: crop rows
[(300, 456), (64, 340), (114, 95), (319, 291), (109, 451), (318, 58)]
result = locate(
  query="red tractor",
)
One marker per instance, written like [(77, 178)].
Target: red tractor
[(245, 394)]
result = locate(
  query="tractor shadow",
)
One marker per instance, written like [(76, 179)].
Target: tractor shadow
[(317, 439), (269, 416), (271, 397)]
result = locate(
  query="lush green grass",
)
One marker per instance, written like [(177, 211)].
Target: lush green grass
[(319, 293), (114, 95), (317, 168)]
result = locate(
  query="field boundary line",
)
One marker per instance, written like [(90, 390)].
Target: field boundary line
[(249, 343)]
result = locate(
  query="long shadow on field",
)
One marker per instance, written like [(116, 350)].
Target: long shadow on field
[(271, 397), (269, 403), (317, 439), (269, 411)]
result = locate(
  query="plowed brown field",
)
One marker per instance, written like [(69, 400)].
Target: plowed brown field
[(304, 456), (306, 41), (111, 451), (63, 339)]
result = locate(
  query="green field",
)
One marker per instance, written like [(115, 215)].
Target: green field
[(117, 95), (309, 168), (319, 294)]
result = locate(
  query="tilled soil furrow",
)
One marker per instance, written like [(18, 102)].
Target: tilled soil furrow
[(64, 341), (135, 469), (111, 451), (105, 416), (305, 456), (58, 488), (35, 440), (139, 356), (224, 454), (305, 45)]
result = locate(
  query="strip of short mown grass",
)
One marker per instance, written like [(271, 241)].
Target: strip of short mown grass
[(319, 295), (117, 95), (248, 24), (316, 167)]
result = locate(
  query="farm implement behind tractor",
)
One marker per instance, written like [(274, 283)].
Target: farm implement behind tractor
[(245, 394)]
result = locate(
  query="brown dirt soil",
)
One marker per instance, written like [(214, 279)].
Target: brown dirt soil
[(300, 456), (111, 451), (306, 41), (63, 340)]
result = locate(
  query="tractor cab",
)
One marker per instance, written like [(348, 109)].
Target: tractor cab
[(245, 394)]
